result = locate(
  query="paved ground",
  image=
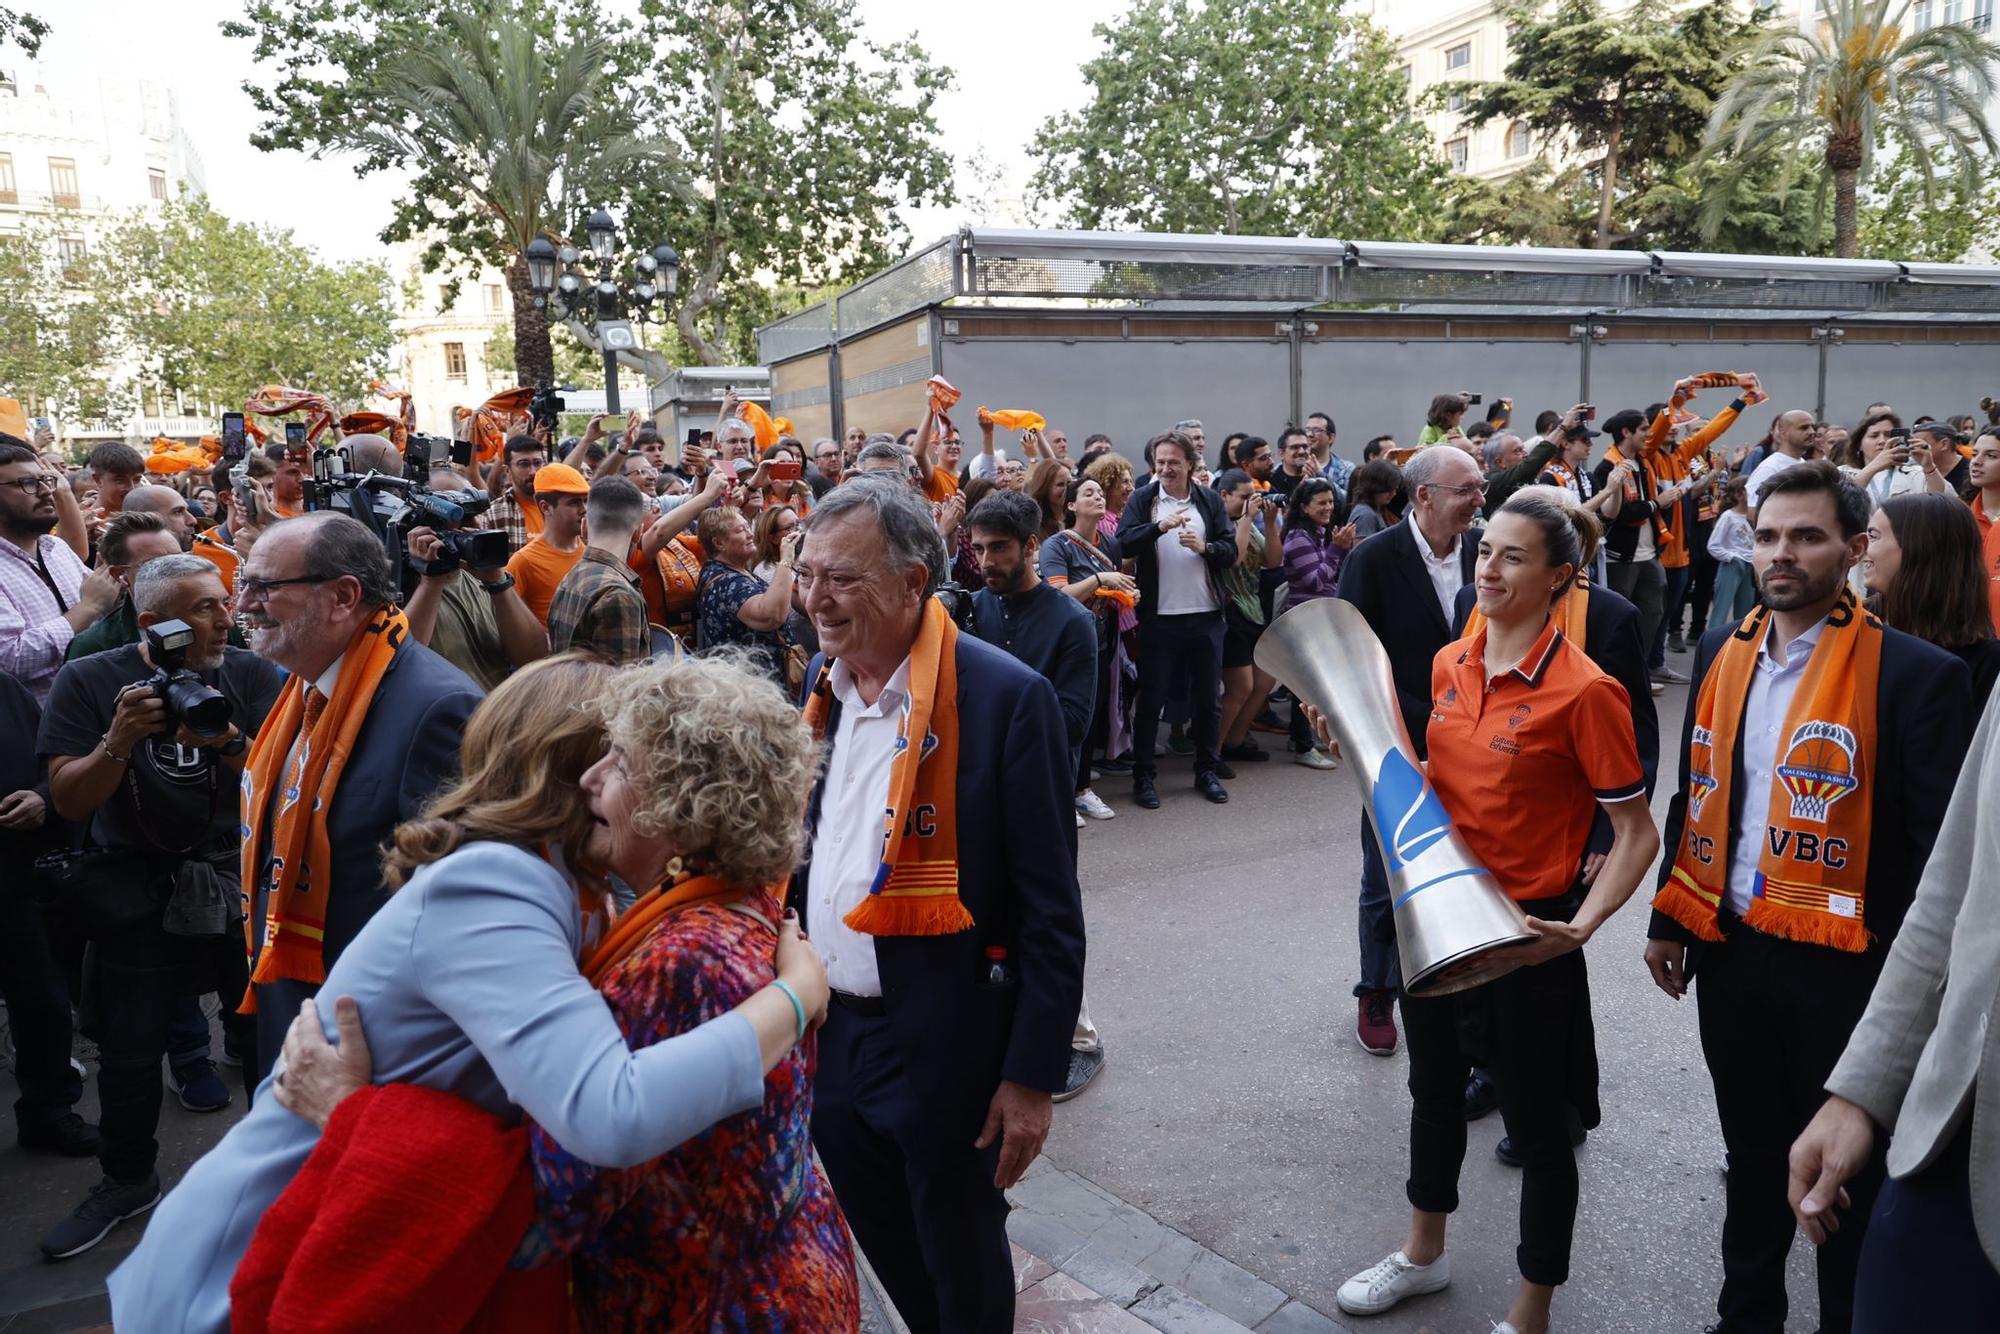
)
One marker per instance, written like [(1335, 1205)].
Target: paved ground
[(1236, 1109)]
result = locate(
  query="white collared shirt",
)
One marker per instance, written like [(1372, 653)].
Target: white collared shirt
[(847, 844), (328, 679), (1447, 576), (1772, 686)]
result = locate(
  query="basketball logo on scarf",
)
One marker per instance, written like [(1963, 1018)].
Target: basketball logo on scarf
[(1701, 782), (1818, 768)]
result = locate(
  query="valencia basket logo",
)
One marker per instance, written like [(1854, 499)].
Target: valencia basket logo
[(1818, 768)]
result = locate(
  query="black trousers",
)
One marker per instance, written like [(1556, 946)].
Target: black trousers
[(138, 978), (921, 1201), (37, 1005), (1189, 642), (1775, 1016), (1532, 1012), (1923, 1267), (1701, 589)]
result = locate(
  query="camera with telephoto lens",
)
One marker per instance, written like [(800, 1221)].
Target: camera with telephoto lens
[(191, 702), (957, 599)]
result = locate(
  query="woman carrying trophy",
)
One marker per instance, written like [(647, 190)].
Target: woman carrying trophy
[(1528, 739)]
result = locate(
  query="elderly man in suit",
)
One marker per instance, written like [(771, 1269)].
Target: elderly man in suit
[(1405, 581), (941, 890), (1924, 1065), (1817, 759), (365, 733)]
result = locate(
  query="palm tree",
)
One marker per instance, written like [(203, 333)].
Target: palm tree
[(486, 108), (1841, 85)]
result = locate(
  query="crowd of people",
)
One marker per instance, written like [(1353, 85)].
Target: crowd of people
[(689, 835)]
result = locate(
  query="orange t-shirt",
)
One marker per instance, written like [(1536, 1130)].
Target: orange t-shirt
[(538, 569), (1522, 761), (1989, 537), (942, 486)]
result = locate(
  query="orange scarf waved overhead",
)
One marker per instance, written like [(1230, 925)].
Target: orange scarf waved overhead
[(1572, 615), (916, 886), (504, 414), (1014, 419), (277, 400), (1812, 872), (302, 788), (940, 396)]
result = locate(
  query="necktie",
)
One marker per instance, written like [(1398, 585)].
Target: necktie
[(302, 748)]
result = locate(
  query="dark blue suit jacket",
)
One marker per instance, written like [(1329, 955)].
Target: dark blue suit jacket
[(958, 1036), (1924, 719), (1385, 579), (406, 752)]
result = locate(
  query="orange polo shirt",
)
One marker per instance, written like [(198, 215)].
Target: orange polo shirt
[(538, 569), (1521, 761), (941, 487), (1989, 538)]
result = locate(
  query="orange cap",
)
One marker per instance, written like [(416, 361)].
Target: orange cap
[(559, 479)]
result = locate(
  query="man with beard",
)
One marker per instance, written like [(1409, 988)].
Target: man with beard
[(46, 594), (365, 732), (1817, 760), (158, 795)]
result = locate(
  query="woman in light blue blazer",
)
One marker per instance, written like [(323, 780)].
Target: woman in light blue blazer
[(468, 983)]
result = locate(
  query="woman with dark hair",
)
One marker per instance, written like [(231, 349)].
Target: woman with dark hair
[(1047, 486), (1517, 708), (964, 564), (1376, 497), (1225, 458), (1926, 576), (1314, 550), (1882, 463), (1083, 562), (1245, 588)]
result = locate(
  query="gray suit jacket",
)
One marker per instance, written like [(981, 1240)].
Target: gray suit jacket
[(1927, 1053)]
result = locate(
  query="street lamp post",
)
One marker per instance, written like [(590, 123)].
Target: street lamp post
[(655, 277)]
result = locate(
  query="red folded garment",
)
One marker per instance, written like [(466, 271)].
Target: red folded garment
[(403, 1218)]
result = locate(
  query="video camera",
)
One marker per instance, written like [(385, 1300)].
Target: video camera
[(191, 702), (392, 506), (548, 404)]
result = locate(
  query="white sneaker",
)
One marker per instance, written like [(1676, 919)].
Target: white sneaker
[(1380, 1286), (1079, 819), (1089, 803), (1315, 759)]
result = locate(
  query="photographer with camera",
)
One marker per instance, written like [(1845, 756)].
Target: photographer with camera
[(466, 608), (146, 742)]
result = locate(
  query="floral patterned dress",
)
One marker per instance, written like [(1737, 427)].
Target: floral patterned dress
[(736, 1229)]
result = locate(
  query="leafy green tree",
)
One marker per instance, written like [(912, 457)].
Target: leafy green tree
[(1261, 117), (801, 137), (1537, 206), (503, 112), (217, 308), (1899, 218), (54, 342), (1632, 92), (1835, 90), (23, 30)]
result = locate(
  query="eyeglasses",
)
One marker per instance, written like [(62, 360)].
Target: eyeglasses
[(250, 588), (40, 482), (1474, 488)]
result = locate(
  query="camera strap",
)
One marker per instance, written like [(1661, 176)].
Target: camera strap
[(42, 568)]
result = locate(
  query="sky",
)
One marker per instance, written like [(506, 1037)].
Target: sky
[(1010, 76)]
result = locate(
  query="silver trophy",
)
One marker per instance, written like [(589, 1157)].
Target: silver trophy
[(1450, 914)]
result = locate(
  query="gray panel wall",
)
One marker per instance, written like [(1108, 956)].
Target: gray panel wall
[(1941, 379), (1385, 388), (1129, 390), (1630, 374)]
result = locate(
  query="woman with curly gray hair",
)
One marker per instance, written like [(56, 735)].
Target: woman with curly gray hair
[(470, 983)]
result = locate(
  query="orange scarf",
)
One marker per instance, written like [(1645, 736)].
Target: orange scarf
[(1571, 616), (302, 875), (916, 886), (223, 557), (1812, 874), (637, 922)]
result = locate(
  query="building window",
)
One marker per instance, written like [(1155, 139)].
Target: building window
[(1954, 11), (156, 182), (7, 192), (1517, 139), (496, 299), (1455, 102), (1982, 16), (71, 249), (1458, 57), (62, 182), (1455, 152), (1405, 73), (454, 361), (1921, 16)]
